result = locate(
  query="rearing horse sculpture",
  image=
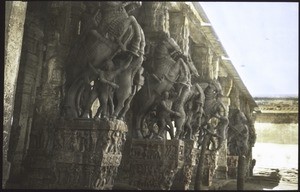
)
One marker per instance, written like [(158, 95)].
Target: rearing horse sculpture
[(167, 70), (213, 107), (188, 94), (117, 32)]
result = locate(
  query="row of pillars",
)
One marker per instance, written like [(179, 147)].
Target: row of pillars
[(15, 19)]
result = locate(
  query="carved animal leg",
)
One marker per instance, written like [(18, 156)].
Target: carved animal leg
[(171, 128), (98, 114), (137, 37), (138, 126), (118, 108), (71, 99), (110, 106), (141, 108), (103, 97), (179, 125), (161, 125), (126, 107), (189, 131), (78, 99), (123, 93), (90, 101)]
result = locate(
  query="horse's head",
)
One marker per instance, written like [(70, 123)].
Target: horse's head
[(213, 89)]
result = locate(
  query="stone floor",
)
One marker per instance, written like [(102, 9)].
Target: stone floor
[(266, 179), (263, 179)]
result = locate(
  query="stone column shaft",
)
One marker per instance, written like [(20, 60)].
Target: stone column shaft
[(13, 46)]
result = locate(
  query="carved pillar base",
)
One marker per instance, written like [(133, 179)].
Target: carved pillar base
[(222, 169), (154, 163), (86, 155), (232, 163), (184, 176), (209, 167), (221, 172)]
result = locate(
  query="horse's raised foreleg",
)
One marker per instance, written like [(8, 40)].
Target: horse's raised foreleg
[(137, 35), (179, 122)]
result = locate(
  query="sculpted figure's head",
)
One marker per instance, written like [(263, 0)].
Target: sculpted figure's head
[(166, 95)]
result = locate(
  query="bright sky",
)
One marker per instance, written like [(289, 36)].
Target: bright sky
[(261, 40)]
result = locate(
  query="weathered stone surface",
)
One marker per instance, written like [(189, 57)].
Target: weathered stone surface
[(154, 163), (85, 155), (221, 170), (13, 44), (72, 159), (183, 177), (209, 167), (232, 163), (29, 70)]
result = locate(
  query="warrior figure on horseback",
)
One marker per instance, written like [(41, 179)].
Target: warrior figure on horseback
[(167, 70), (117, 37)]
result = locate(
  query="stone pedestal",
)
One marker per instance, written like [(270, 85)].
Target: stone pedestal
[(86, 155), (221, 172), (222, 169), (184, 176), (154, 163), (232, 163), (209, 167)]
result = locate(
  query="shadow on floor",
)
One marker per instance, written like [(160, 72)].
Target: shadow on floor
[(259, 182)]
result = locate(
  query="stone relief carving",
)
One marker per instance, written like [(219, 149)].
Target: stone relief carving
[(154, 163), (88, 153), (112, 42), (215, 120), (238, 133), (167, 89)]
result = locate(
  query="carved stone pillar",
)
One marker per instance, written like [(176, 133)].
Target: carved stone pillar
[(154, 17), (49, 81), (154, 163), (209, 167), (13, 45), (226, 83), (214, 67), (221, 170), (250, 163), (232, 163), (86, 155), (29, 71), (235, 97), (179, 29), (183, 178), (202, 57)]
